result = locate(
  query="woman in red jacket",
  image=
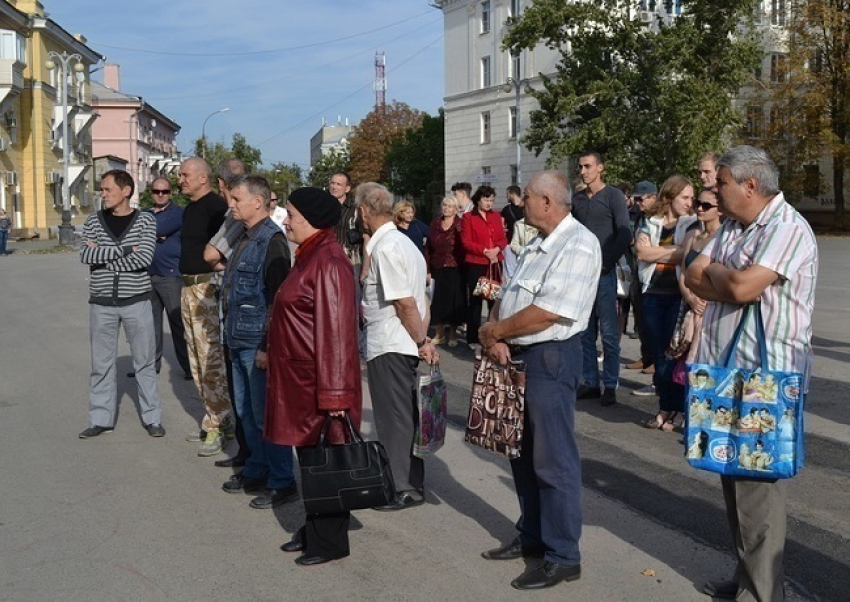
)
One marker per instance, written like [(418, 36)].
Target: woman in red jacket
[(314, 365), (483, 237)]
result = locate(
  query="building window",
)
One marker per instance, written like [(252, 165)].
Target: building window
[(512, 122), (485, 72), (757, 71), (778, 68), (514, 9), (485, 16), (516, 66), (753, 123), (777, 125), (647, 5), (778, 12), (12, 46), (485, 127), (514, 175), (673, 7), (811, 181)]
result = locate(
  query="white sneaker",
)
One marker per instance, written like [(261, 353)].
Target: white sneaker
[(213, 444), (647, 391)]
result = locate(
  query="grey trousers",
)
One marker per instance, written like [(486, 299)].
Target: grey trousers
[(166, 296), (104, 323), (757, 518), (392, 386)]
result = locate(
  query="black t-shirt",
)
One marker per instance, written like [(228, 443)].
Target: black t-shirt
[(118, 224), (201, 220), (512, 215)]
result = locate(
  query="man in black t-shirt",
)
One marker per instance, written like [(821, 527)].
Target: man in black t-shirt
[(202, 218)]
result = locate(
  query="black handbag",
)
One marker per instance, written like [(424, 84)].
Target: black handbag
[(336, 478)]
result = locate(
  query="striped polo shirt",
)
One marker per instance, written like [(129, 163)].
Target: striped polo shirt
[(558, 273), (781, 240), (119, 267)]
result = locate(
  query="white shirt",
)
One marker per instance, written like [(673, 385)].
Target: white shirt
[(397, 270), (559, 274), (278, 215)]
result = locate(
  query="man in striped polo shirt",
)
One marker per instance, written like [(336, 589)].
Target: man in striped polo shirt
[(118, 246), (766, 251)]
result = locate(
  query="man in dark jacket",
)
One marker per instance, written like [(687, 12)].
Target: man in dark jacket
[(602, 210)]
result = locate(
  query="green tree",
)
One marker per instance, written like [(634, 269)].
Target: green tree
[(809, 100), (333, 161), (417, 164), (374, 136), (284, 178), (651, 98), (239, 149)]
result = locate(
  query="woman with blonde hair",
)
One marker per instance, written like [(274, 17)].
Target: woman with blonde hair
[(444, 257), (404, 217), (659, 253)]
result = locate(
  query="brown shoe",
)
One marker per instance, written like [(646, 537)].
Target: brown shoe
[(637, 365), (650, 369)]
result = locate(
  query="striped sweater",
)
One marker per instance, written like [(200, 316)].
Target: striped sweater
[(119, 273)]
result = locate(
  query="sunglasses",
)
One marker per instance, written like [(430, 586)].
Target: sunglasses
[(155, 191), (705, 206)]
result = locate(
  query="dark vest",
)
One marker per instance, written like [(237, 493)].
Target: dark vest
[(247, 302)]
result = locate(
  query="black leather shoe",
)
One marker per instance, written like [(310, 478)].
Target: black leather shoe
[(726, 590), (512, 551), (306, 560), (94, 431), (272, 498), (609, 397), (293, 546), (239, 483), (403, 499), (234, 462), (588, 392), (546, 574)]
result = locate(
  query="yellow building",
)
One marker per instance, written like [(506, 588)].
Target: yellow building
[(32, 115)]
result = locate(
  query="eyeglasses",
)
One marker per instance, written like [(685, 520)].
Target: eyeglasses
[(155, 191), (705, 206), (638, 199)]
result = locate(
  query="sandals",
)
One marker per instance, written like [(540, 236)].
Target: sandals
[(658, 421), (673, 422)]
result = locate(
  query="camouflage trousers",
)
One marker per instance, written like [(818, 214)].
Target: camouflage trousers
[(206, 358)]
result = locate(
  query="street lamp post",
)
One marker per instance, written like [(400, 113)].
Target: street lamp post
[(204, 130), (517, 86), (64, 60)]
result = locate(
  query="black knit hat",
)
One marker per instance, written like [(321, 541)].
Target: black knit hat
[(320, 208)]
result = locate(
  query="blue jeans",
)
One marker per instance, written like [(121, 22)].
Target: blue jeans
[(660, 313), (249, 395), (4, 237), (603, 318), (547, 475)]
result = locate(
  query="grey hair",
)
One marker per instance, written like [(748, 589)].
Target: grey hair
[(254, 184), (745, 162), (377, 198), (553, 184), (228, 169)]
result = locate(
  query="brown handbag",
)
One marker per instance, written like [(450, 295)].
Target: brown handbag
[(496, 407)]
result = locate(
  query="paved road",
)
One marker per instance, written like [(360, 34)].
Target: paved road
[(127, 517)]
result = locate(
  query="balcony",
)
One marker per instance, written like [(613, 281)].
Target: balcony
[(11, 78)]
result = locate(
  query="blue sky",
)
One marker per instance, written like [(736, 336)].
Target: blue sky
[(189, 58)]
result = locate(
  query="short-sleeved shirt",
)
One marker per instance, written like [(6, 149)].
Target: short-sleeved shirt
[(560, 274), (397, 270), (201, 220), (779, 239)]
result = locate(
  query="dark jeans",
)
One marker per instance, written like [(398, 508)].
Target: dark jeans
[(249, 397), (547, 475), (603, 319), (660, 313), (165, 296), (4, 237)]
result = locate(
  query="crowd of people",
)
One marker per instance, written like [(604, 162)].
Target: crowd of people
[(274, 339)]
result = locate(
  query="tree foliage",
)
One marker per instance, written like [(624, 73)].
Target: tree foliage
[(652, 99), (809, 105), (239, 149), (284, 178), (333, 161), (374, 136), (417, 164)]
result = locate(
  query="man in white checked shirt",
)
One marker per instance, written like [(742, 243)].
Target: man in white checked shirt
[(766, 251), (539, 319)]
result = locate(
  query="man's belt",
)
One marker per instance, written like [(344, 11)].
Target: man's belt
[(189, 279), (519, 349)]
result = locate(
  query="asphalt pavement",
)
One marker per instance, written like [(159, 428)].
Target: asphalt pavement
[(129, 517)]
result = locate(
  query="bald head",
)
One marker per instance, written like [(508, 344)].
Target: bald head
[(195, 178)]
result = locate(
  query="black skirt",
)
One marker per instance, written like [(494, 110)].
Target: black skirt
[(449, 303)]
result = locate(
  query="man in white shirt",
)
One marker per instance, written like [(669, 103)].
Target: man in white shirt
[(395, 309), (539, 319)]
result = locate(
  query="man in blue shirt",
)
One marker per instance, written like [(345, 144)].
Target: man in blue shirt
[(166, 280)]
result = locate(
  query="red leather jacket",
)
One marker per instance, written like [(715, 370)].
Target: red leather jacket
[(313, 361), (482, 231)]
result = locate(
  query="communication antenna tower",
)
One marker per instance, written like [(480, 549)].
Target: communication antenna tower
[(380, 80)]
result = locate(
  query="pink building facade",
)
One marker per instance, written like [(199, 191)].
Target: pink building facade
[(133, 130)]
